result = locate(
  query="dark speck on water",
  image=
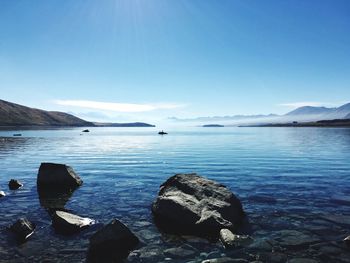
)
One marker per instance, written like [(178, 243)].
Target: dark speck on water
[(293, 185)]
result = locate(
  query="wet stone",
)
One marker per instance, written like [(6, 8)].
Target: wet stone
[(230, 240), (261, 244), (179, 252), (330, 250), (347, 241), (67, 223), (147, 235), (112, 243), (14, 184), (293, 238), (23, 229), (147, 254)]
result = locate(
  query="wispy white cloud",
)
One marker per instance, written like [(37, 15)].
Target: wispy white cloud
[(118, 107), (307, 103)]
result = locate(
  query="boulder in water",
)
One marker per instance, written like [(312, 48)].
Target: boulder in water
[(23, 229), (347, 241), (14, 184), (112, 243), (67, 223), (191, 204), (57, 176)]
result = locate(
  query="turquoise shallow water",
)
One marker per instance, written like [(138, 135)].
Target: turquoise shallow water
[(288, 179)]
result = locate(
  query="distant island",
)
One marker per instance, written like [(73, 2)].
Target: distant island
[(212, 125), (15, 115), (322, 123), (131, 124)]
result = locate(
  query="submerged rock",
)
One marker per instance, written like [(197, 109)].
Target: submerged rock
[(230, 240), (2, 194), (188, 203), (14, 184), (302, 260), (66, 223), (112, 243), (347, 241), (23, 229), (57, 176), (293, 238), (179, 252)]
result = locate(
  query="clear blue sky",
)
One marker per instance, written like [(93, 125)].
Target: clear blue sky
[(174, 57)]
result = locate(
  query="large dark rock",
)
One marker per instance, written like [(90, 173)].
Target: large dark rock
[(14, 184), (23, 229), (347, 241), (57, 176), (188, 203), (67, 223), (112, 243)]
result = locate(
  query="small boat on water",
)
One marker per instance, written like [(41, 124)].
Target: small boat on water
[(162, 132), (86, 130), (17, 134)]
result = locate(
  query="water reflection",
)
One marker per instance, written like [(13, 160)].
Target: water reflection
[(53, 200)]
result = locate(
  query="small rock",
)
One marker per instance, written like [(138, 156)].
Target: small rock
[(262, 245), (149, 254), (347, 241), (179, 252), (230, 240), (2, 194), (146, 235), (66, 223), (225, 260), (113, 243), (293, 238), (23, 229), (330, 250), (15, 184), (57, 176)]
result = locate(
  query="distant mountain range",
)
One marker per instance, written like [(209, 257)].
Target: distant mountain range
[(341, 112), (301, 114), (12, 114)]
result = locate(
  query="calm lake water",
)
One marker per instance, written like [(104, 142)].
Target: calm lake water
[(294, 184)]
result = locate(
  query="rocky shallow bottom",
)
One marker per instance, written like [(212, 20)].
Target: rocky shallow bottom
[(280, 235)]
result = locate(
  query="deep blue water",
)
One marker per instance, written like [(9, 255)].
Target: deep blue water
[(287, 179)]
